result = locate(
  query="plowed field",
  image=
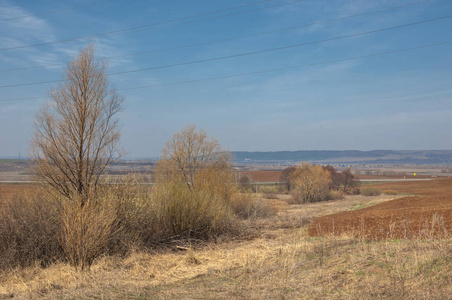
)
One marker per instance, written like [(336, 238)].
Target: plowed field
[(427, 213)]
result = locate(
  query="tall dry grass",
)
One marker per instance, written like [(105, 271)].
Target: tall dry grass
[(192, 213), (126, 216), (250, 206), (269, 192), (370, 191), (29, 230), (288, 266)]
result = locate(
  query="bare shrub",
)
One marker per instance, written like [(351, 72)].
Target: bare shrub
[(29, 230), (87, 230), (269, 192), (247, 206), (355, 190), (186, 154), (335, 195), (348, 181), (138, 214), (370, 191), (194, 184), (390, 192), (344, 180), (191, 213), (245, 184), (285, 177), (310, 183), (336, 177)]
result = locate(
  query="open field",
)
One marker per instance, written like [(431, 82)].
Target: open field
[(427, 212), (279, 260)]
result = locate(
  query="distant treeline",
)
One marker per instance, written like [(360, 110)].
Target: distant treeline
[(351, 156)]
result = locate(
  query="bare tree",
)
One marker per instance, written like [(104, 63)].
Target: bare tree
[(286, 177), (336, 177), (194, 184), (77, 134), (349, 181), (188, 155)]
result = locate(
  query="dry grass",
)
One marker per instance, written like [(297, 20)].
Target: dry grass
[(269, 192), (390, 192), (29, 230), (298, 215), (283, 263), (251, 206), (8, 190), (370, 191), (289, 265)]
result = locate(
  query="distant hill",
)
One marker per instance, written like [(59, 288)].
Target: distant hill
[(350, 156)]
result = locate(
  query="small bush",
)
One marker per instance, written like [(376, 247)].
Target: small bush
[(248, 206), (29, 230), (269, 192), (354, 191), (141, 224), (87, 230), (370, 191), (390, 192), (192, 213), (245, 183), (335, 195), (309, 183)]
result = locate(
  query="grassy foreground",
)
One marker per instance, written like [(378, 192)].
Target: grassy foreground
[(282, 263)]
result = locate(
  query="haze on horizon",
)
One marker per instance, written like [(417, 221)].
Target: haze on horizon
[(397, 101)]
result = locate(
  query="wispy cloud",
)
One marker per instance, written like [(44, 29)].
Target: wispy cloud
[(23, 31)]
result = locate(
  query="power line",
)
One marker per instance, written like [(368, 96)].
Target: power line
[(288, 68), (57, 11), (232, 38), (147, 27), (280, 48), (246, 53), (269, 70), (22, 99)]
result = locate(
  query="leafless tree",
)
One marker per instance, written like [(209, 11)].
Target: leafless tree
[(349, 181), (194, 184), (336, 177), (188, 155), (286, 176), (77, 134)]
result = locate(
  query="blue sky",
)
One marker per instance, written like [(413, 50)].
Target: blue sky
[(394, 101)]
